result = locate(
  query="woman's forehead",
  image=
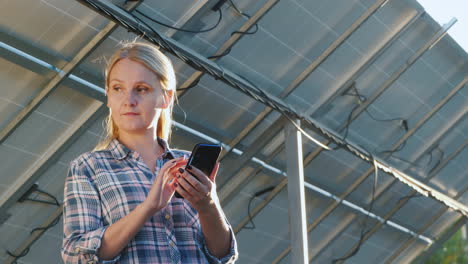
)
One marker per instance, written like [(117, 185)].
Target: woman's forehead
[(130, 70)]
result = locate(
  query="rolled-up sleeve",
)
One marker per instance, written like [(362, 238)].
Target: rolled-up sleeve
[(83, 226), (231, 257)]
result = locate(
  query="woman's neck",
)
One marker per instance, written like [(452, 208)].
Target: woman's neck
[(145, 144)]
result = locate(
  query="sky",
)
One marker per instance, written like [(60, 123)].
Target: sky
[(444, 10)]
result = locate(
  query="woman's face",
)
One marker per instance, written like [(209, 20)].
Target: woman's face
[(135, 96)]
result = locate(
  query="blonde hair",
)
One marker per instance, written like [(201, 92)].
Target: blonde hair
[(155, 60)]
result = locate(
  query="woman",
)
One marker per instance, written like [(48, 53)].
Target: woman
[(119, 199)]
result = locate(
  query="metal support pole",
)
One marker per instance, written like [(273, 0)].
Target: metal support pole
[(296, 195)]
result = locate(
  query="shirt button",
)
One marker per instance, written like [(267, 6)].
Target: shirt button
[(77, 250), (171, 244), (168, 217)]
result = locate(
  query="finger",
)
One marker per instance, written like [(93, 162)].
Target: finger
[(196, 184), (188, 187), (172, 163), (183, 192), (173, 185), (200, 175), (214, 172)]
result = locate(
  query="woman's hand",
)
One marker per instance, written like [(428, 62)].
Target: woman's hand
[(164, 185), (197, 188)]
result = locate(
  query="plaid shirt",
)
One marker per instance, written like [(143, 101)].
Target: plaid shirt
[(104, 186)]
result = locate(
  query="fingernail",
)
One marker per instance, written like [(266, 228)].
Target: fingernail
[(175, 184), (189, 167), (178, 175), (181, 170)]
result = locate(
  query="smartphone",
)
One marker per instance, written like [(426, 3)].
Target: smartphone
[(204, 158)]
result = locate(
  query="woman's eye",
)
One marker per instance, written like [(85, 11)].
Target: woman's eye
[(116, 88), (141, 89)]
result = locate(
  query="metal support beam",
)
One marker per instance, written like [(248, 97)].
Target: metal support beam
[(58, 78), (195, 77), (363, 177), (296, 195), (440, 241)]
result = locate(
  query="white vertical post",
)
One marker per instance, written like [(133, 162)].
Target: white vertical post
[(296, 195)]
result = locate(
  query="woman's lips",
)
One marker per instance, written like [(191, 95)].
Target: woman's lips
[(131, 113)]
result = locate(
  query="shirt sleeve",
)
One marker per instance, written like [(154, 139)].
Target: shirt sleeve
[(231, 257), (82, 221)]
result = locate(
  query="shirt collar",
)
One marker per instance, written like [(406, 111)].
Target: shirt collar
[(120, 151)]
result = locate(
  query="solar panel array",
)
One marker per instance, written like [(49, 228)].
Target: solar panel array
[(324, 58)]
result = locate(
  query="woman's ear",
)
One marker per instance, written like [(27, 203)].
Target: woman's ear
[(167, 97)]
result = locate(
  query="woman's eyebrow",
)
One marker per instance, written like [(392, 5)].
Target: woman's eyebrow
[(115, 80), (138, 82)]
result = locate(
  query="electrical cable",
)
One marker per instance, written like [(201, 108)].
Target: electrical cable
[(245, 15), (182, 29), (409, 197), (226, 52), (362, 99), (263, 191), (363, 232), (439, 160)]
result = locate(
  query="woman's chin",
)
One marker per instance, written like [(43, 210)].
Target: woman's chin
[(135, 129)]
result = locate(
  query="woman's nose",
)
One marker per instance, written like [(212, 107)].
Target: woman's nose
[(130, 99)]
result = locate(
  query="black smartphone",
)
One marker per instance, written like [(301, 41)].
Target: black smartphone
[(204, 158)]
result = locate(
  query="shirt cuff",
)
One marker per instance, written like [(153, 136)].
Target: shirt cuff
[(231, 257), (89, 248)]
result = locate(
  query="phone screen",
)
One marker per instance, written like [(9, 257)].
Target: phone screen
[(204, 157)]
